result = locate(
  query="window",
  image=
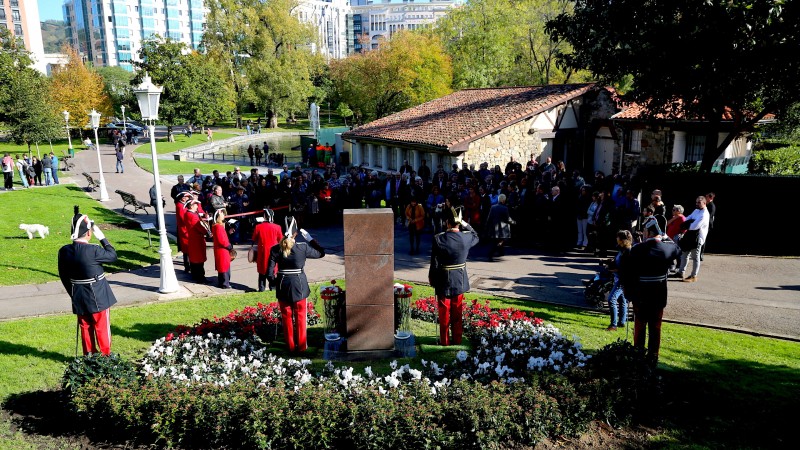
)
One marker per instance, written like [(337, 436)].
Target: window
[(14, 2), (2, 13), (15, 15), (18, 30), (695, 147), (636, 141)]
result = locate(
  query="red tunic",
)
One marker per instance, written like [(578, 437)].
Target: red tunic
[(197, 238), (183, 235), (266, 235), (222, 256)]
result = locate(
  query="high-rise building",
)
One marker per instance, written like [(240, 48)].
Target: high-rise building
[(21, 17), (374, 20), (331, 19), (110, 32)]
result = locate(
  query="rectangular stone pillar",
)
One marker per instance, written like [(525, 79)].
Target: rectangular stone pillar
[(369, 274)]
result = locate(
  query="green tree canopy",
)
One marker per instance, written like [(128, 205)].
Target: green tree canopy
[(267, 50), (696, 59), (407, 70), (503, 42), (195, 88), (117, 82)]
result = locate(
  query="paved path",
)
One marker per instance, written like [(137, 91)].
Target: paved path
[(759, 295)]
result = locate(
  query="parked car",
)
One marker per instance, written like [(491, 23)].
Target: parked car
[(122, 126)]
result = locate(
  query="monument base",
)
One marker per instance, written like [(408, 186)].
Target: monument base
[(337, 351)]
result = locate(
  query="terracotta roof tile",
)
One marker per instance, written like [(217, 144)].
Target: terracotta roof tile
[(466, 115), (638, 111)]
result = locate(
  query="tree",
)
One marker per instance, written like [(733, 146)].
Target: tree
[(344, 111), (117, 82), (409, 69), (78, 89), (194, 86), (502, 42), (25, 111), (692, 59), (268, 52)]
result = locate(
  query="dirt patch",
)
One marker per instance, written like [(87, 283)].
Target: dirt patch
[(601, 435)]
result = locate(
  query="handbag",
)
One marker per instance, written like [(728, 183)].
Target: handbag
[(233, 254), (688, 241)]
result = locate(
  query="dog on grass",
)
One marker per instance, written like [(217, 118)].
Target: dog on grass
[(41, 230)]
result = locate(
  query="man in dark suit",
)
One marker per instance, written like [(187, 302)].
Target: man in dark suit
[(448, 274), (644, 280)]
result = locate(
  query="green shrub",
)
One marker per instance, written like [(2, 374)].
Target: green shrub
[(86, 368), (781, 161)]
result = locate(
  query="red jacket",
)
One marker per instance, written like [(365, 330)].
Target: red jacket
[(197, 237), (183, 236), (222, 254), (265, 236)]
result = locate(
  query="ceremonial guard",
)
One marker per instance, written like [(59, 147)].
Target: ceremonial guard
[(448, 274), (266, 235), (644, 280), (197, 231), (182, 234), (291, 283), (223, 250), (80, 267)]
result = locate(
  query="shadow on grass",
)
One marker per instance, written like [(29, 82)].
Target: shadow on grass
[(143, 332), (44, 413), (9, 348), (733, 404), (31, 269)]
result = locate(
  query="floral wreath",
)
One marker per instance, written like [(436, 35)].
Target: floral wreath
[(330, 292)]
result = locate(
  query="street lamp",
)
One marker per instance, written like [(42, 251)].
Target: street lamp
[(148, 95), (69, 138), (124, 127), (94, 120)]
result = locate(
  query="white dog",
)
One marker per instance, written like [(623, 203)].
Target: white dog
[(36, 228)]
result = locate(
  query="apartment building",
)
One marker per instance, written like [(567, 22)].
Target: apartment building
[(21, 17), (374, 20), (110, 32)]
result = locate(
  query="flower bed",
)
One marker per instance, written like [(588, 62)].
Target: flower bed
[(260, 320), (477, 315), (216, 390)]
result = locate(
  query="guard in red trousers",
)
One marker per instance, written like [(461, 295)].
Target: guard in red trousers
[(222, 250), (183, 236), (80, 267), (291, 284), (448, 274), (265, 236), (197, 230)]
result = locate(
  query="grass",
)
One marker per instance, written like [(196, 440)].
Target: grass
[(181, 142), (302, 124), (25, 261), (722, 389), (186, 168), (59, 148)]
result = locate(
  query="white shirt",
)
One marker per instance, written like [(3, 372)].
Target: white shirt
[(701, 221)]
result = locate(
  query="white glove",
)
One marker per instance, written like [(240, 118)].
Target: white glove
[(463, 223), (306, 235), (98, 233)]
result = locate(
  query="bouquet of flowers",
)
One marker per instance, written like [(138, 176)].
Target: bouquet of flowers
[(403, 290)]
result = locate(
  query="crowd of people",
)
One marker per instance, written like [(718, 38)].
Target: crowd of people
[(31, 171)]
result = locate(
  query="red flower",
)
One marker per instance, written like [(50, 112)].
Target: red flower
[(170, 337)]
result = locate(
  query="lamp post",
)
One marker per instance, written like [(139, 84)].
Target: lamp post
[(148, 96), (124, 126), (94, 120), (69, 138)]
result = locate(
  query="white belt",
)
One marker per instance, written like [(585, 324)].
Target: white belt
[(653, 279), (290, 272), (89, 280)]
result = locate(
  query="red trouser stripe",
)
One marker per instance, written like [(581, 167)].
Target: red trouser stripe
[(450, 317), (295, 335), (96, 332)]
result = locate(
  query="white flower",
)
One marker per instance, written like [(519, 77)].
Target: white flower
[(461, 356), (393, 365)]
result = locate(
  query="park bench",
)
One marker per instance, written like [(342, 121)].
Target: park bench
[(92, 184), (68, 164), (130, 200)]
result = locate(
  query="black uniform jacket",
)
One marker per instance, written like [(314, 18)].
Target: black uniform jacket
[(291, 282), (80, 266), (448, 272), (644, 272)]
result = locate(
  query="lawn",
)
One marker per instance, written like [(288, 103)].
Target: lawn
[(25, 261), (181, 142), (722, 389), (58, 147), (186, 168)]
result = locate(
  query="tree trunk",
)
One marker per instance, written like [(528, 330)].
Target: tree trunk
[(272, 119)]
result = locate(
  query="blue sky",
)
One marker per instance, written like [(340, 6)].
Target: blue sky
[(50, 9)]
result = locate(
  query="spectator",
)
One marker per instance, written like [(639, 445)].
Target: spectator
[(498, 227), (8, 172), (692, 239), (120, 158), (22, 169), (47, 168), (54, 164), (38, 169), (617, 304)]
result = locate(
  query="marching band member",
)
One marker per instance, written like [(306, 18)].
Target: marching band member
[(266, 235), (182, 234), (80, 267), (196, 230), (222, 250), (291, 282)]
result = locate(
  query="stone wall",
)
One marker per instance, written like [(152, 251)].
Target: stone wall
[(498, 148)]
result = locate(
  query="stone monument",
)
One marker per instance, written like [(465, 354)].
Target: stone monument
[(369, 271)]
